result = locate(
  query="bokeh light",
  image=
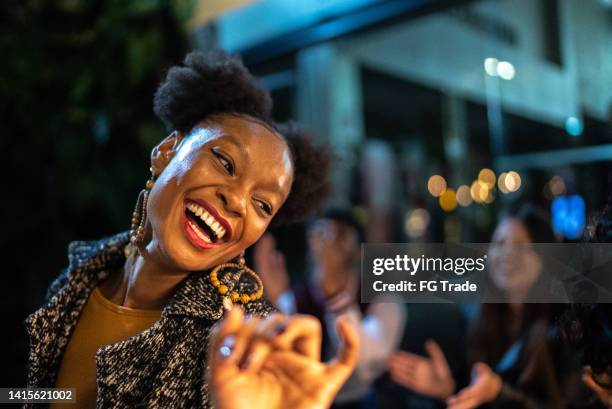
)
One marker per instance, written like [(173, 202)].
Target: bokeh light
[(509, 182), (487, 177), (574, 126), (490, 66), (416, 223), (464, 196), (506, 70), (512, 181), (448, 200), (436, 185), (501, 182)]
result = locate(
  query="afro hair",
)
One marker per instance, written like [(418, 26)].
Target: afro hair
[(209, 83), (311, 180), (215, 82)]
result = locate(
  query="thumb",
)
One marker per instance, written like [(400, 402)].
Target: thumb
[(437, 356), (479, 369), (345, 361)]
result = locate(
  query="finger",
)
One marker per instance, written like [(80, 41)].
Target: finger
[(402, 367), (404, 379), (222, 343), (463, 395), (592, 385), (259, 346), (242, 339), (345, 361), (437, 357), (407, 358), (302, 334), (464, 404), (255, 355), (479, 369)]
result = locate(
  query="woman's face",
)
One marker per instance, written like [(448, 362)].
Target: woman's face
[(515, 266), (218, 192)]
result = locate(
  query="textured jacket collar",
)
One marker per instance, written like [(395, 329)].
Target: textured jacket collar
[(92, 262), (51, 326)]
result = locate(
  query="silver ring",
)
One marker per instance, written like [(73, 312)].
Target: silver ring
[(225, 351)]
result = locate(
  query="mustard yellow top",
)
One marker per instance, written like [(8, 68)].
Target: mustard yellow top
[(101, 323)]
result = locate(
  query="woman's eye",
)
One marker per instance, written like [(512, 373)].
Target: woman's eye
[(265, 207), (226, 163)]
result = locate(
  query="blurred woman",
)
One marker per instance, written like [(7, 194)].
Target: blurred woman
[(516, 359)]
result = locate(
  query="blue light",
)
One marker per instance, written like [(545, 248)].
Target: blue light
[(569, 216), (573, 126)]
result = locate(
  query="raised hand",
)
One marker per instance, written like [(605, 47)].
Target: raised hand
[(604, 394), (275, 363), (485, 387), (270, 265), (427, 376)]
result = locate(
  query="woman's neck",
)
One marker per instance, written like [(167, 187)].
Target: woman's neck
[(143, 283)]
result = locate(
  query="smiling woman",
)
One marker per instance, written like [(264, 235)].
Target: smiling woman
[(129, 321)]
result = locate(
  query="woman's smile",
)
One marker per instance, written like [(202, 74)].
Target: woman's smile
[(204, 226)]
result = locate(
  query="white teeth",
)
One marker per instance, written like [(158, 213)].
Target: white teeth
[(199, 232), (208, 219)]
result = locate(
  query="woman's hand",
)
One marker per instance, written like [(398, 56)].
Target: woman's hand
[(604, 394), (427, 376), (275, 363), (484, 388), (270, 265)]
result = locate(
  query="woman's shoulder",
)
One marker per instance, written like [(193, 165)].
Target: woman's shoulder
[(89, 256)]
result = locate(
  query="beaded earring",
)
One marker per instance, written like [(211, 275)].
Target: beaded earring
[(139, 218), (225, 277)]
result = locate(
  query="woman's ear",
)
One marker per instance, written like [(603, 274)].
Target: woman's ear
[(164, 151)]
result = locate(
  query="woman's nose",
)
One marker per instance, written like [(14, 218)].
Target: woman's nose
[(232, 202)]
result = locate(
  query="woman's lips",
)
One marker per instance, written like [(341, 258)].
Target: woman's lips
[(204, 227), (193, 236), (210, 209)]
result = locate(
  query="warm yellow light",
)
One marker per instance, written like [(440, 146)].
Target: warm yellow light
[(487, 177), (436, 185), (416, 223), (475, 191), (464, 196), (513, 181), (501, 183), (448, 200)]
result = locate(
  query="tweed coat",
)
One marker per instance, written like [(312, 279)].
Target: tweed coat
[(162, 367)]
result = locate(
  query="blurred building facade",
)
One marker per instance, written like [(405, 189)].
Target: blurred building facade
[(450, 87)]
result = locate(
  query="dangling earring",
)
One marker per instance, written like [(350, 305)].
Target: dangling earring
[(226, 277), (139, 219)]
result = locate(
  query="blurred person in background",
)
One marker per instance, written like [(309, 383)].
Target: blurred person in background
[(333, 290), (129, 321), (588, 328), (514, 350)]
